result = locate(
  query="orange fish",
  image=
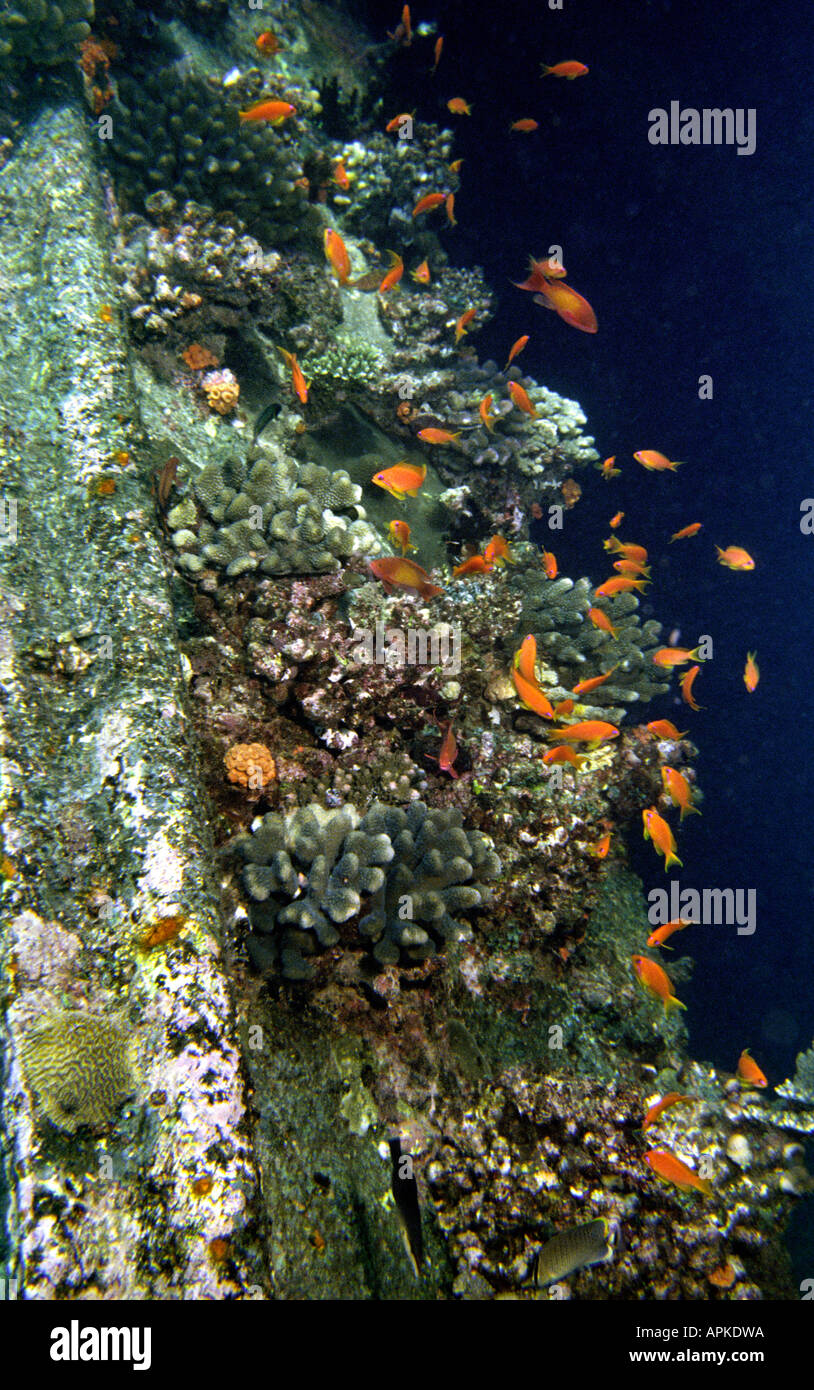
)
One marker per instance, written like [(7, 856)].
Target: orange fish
[(658, 831), (686, 531), (403, 33), (526, 125), (531, 695), (401, 573), (399, 533), (402, 479), (449, 205), (672, 1098), (336, 253), (632, 567), (674, 656), (340, 176), (421, 274), (662, 934), (268, 43), (463, 323), (459, 107), (431, 435), (749, 1071), (297, 379), (394, 274), (607, 469), (678, 789), (436, 52), (621, 584), (394, 125), (654, 461), (563, 754), (662, 728), (592, 731), (516, 348), (617, 519), (525, 658), (569, 70), (594, 683), (497, 552), (686, 687), (671, 1169), (550, 564), (564, 707), (751, 672), (476, 564), (602, 621), (428, 202), (735, 558), (484, 410), (601, 847), (447, 753), (274, 111), (521, 399), (657, 981), (570, 306), (540, 272), (455, 166), (628, 550)]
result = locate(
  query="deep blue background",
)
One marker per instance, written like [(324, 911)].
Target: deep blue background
[(696, 260)]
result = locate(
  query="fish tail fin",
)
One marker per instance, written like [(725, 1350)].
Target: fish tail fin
[(705, 1186), (689, 811), (672, 859), (672, 1003), (544, 70)]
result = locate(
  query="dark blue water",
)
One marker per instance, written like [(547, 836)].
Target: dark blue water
[(697, 260)]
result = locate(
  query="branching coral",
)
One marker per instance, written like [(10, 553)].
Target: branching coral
[(79, 1067), (42, 33)]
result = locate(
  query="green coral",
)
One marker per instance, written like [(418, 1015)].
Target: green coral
[(78, 1065), (41, 33), (800, 1087), (347, 361)]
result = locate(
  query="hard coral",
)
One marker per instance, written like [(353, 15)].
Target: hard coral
[(222, 391), (78, 1065), (197, 357), (250, 765)]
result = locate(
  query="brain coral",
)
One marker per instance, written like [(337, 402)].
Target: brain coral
[(79, 1067), (310, 870)]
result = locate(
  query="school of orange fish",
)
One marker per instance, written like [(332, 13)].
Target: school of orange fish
[(546, 283)]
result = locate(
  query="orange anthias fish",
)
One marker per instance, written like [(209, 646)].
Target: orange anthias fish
[(516, 348), (662, 934), (336, 253), (401, 573), (431, 435), (600, 847), (591, 731), (449, 205), (751, 672), (399, 533), (571, 307), (402, 479), (526, 125), (584, 687), (568, 69), (657, 981), (497, 552), (428, 203), (530, 694), (436, 52), (662, 728), (540, 272), (397, 122), (563, 754), (749, 1071), (394, 274), (617, 519), (671, 1169), (564, 707), (421, 274), (658, 831), (459, 107), (476, 564), (632, 567), (274, 111), (448, 752), (602, 621), (686, 531), (620, 584), (297, 379), (463, 323), (268, 43), (521, 399), (485, 412), (735, 558), (672, 1098), (550, 564), (607, 469), (340, 176), (654, 461), (668, 657), (678, 789), (686, 687), (525, 658), (403, 32), (627, 549)]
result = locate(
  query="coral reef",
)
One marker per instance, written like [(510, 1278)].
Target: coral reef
[(310, 870), (42, 33), (222, 391), (347, 362), (78, 1065)]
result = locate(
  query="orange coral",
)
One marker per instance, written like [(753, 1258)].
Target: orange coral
[(571, 492), (198, 357), (222, 391), (250, 765)]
